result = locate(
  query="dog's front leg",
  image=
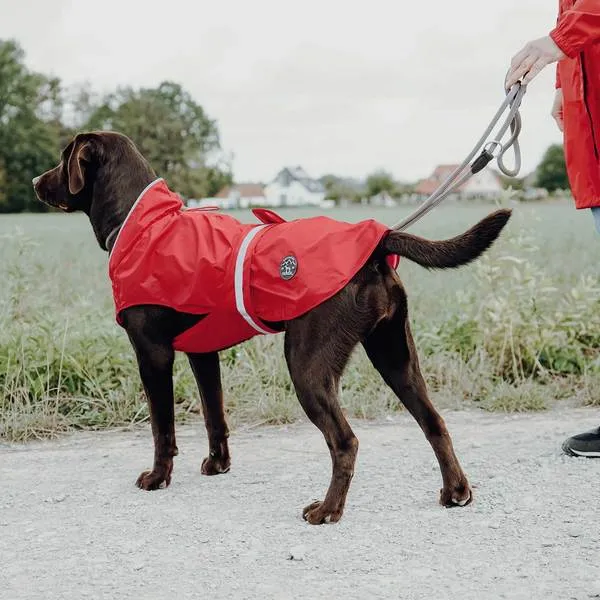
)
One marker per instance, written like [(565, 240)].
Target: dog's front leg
[(155, 361)]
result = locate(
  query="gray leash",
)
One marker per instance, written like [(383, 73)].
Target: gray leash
[(467, 169)]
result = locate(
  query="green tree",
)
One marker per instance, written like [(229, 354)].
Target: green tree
[(3, 191), (30, 107), (551, 173), (171, 130), (380, 181), (217, 178), (339, 188)]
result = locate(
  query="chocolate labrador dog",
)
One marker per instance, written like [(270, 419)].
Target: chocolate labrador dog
[(102, 174)]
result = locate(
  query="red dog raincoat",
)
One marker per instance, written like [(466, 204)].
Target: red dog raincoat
[(238, 275)]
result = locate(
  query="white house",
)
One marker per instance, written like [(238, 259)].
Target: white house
[(381, 199), (293, 187), (486, 183)]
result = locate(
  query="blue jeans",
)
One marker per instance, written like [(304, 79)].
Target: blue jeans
[(596, 215)]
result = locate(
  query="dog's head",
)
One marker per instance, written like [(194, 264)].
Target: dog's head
[(64, 186), (100, 173), (88, 159)]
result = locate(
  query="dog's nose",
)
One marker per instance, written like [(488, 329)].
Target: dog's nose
[(36, 179)]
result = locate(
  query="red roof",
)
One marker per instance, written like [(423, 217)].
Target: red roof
[(245, 190), (439, 175)]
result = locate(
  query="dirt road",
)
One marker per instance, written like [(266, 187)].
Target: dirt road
[(72, 524)]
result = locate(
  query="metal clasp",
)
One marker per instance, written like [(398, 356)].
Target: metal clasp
[(494, 144)]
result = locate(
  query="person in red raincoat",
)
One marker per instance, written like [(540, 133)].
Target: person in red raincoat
[(575, 44)]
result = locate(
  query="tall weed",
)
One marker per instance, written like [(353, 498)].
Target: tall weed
[(517, 330)]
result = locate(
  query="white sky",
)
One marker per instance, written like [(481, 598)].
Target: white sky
[(393, 84)]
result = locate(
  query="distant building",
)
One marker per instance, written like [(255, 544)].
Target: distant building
[(242, 195), (293, 187), (484, 184), (382, 199)]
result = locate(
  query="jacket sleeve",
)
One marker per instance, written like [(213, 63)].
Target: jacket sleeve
[(577, 27), (557, 85)]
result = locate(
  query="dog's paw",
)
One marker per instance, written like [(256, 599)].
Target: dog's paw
[(317, 514), (458, 495), (213, 465), (152, 480)]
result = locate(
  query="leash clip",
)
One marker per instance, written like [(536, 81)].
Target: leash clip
[(495, 144), (482, 161)]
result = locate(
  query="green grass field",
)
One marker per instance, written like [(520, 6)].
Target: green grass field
[(519, 330)]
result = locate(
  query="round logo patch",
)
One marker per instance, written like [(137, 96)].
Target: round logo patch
[(288, 267)]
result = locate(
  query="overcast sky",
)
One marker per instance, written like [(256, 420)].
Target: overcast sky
[(393, 84)]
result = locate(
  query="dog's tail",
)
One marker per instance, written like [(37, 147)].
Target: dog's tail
[(451, 253)]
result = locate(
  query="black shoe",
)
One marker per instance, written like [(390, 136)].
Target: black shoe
[(583, 444)]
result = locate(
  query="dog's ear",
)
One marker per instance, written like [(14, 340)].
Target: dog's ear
[(80, 153)]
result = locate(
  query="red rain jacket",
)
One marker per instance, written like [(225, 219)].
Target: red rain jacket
[(239, 275), (577, 34)]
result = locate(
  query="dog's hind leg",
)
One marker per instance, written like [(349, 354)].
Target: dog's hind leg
[(317, 348), (208, 377), (392, 351)]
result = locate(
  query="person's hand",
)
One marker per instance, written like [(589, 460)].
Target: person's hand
[(557, 109), (532, 59)]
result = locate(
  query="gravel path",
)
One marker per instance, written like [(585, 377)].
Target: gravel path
[(72, 524)]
